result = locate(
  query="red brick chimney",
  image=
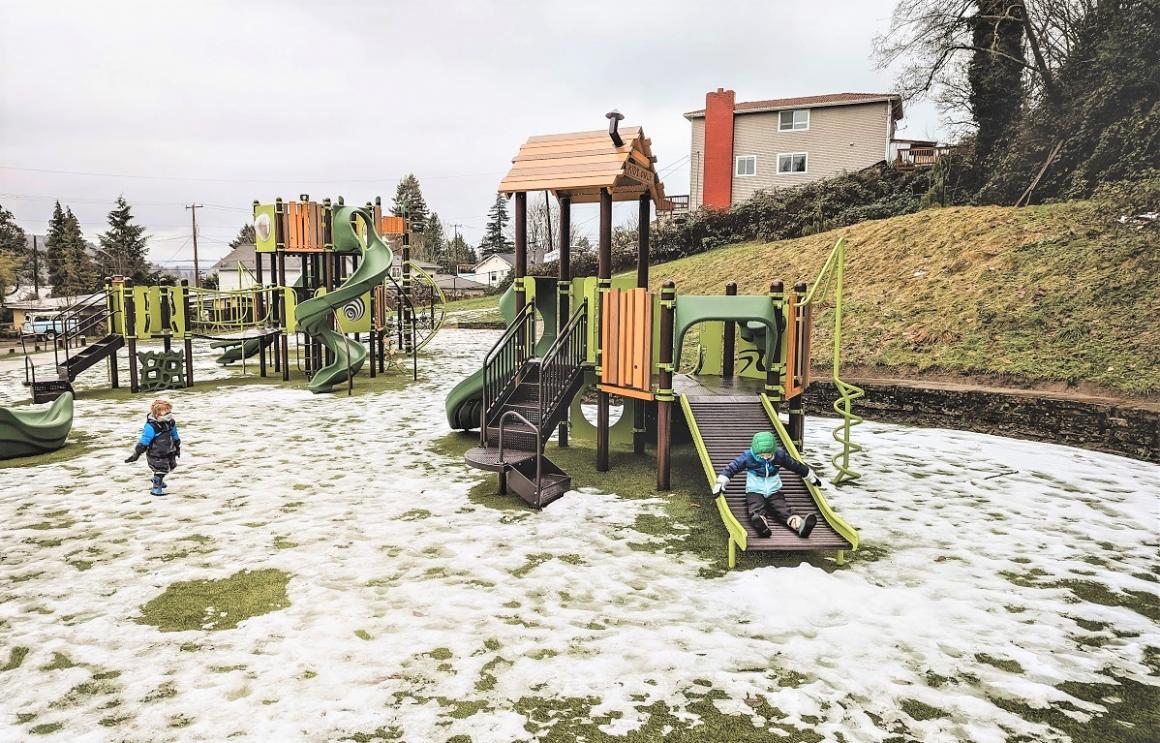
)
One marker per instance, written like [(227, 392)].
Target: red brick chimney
[(717, 178)]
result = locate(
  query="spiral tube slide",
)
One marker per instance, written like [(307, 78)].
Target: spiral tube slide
[(313, 315)]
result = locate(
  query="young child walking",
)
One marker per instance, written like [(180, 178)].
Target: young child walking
[(160, 444), (763, 496)]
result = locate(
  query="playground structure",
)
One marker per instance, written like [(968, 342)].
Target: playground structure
[(623, 340), (353, 302)]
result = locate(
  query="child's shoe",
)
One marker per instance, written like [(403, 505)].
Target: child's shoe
[(761, 524), (805, 525), (156, 490)]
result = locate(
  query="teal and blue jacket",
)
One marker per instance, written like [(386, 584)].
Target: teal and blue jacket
[(763, 476)]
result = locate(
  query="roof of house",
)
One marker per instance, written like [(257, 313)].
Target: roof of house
[(809, 101), (581, 164), (244, 254), (457, 283), (509, 258)]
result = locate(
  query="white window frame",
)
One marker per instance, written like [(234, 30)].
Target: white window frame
[(737, 166), (793, 127), (792, 155)]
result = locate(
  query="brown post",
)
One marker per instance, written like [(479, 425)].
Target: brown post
[(131, 335), (166, 315), (564, 286), (773, 365), (797, 413), (604, 285), (643, 219), (520, 219), (665, 386), (188, 338), (729, 346), (285, 319), (111, 309)]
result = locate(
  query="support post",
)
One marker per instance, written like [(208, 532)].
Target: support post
[(795, 404), (185, 332), (604, 285), (773, 364), (564, 289), (642, 249), (664, 396), (729, 344), (520, 270), (131, 335), (166, 314), (285, 319), (111, 309)]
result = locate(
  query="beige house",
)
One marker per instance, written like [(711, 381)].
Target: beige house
[(741, 148)]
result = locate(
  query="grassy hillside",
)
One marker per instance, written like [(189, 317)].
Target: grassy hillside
[(1047, 294)]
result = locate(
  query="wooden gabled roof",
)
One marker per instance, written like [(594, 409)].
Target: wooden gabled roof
[(581, 163)]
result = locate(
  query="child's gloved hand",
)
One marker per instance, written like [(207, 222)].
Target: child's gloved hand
[(132, 457), (719, 488), (177, 448), (813, 479)]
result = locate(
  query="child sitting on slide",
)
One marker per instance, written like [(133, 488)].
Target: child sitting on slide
[(160, 443), (763, 496)]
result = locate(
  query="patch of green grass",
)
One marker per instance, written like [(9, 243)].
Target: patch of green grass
[(79, 444), (920, 711), (383, 733), (1132, 719), (282, 543), (59, 661), (16, 658), (415, 514), (362, 634), (46, 728), (441, 654), (216, 605), (1002, 664), (166, 690)]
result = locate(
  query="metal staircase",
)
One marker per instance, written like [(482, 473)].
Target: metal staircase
[(524, 399), (76, 323)]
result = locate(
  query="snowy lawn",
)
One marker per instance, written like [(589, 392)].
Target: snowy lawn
[(326, 568)]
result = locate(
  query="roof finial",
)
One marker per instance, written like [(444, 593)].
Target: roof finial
[(614, 118)]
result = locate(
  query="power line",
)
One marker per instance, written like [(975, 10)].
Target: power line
[(390, 179)]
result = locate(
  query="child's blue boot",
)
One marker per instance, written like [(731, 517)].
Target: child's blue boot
[(158, 489)]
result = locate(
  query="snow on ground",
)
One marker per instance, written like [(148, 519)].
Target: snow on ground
[(992, 570)]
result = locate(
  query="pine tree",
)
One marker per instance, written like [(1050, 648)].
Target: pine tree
[(458, 252), (13, 250), (54, 248), (409, 202), (78, 275), (245, 236), (495, 238), (123, 247), (434, 240)]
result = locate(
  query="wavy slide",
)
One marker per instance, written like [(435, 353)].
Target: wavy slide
[(28, 431), (313, 315)]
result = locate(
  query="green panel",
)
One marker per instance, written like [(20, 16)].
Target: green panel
[(264, 228), (355, 316), (147, 311), (177, 320), (581, 431)]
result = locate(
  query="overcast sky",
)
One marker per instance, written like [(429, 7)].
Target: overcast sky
[(221, 103)]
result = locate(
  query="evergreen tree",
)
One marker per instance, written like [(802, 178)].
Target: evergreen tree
[(458, 252), (409, 202), (995, 74), (54, 248), (78, 274), (245, 236), (13, 250), (123, 247), (495, 238), (434, 240)]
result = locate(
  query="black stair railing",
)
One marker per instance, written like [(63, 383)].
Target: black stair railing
[(503, 362), (561, 365)]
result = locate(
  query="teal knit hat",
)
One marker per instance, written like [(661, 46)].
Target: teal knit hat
[(763, 442)]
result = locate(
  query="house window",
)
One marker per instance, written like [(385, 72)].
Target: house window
[(797, 120), (792, 162), (745, 165)]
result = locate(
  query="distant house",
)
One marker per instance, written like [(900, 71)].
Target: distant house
[(238, 270), (493, 269), (458, 287), (739, 149)]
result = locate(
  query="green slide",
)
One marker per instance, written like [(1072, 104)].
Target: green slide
[(313, 315), (463, 401), (28, 431)]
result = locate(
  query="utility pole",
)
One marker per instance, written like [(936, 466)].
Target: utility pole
[(35, 268), (196, 272)]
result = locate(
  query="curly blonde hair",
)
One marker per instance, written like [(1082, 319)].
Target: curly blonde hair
[(160, 407)]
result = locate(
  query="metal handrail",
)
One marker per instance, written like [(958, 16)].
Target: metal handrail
[(511, 350), (573, 339), (539, 447)]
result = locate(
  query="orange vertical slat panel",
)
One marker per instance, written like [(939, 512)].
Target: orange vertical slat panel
[(647, 340), (638, 338), (605, 312), (614, 344), (625, 336)]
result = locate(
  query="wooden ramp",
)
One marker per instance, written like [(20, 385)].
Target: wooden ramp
[(723, 427)]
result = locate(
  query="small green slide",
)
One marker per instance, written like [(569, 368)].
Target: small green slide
[(28, 431), (313, 315)]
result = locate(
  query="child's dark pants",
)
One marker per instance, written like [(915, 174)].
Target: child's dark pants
[(774, 506)]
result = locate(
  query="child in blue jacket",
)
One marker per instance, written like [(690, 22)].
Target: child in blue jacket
[(160, 443), (763, 496)]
